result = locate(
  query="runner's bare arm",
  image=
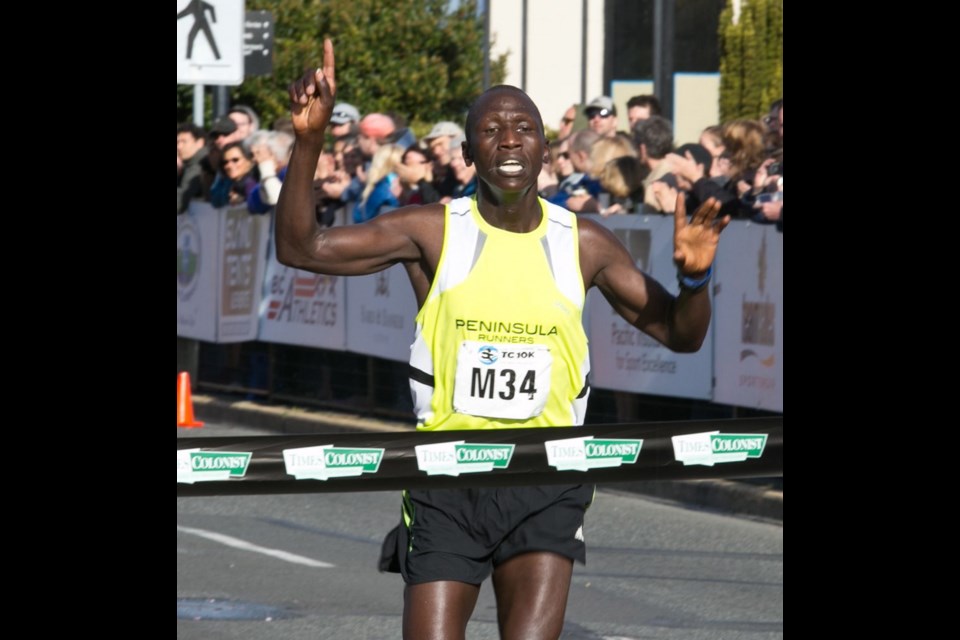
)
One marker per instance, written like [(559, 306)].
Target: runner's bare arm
[(681, 322), (412, 234), (301, 242)]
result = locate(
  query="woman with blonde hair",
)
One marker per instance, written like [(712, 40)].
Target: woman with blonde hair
[(743, 145), (621, 179), (605, 150), (380, 194)]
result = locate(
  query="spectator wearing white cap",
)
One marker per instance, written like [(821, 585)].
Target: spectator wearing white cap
[(438, 141), (344, 119), (602, 116)]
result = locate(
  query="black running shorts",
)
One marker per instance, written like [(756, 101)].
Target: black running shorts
[(463, 534)]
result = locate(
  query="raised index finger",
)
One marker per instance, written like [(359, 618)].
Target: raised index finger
[(329, 67)]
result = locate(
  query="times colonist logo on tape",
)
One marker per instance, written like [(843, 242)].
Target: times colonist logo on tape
[(327, 461), (194, 465), (714, 447), (454, 458), (582, 454)]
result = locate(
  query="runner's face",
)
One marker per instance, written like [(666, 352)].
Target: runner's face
[(507, 144)]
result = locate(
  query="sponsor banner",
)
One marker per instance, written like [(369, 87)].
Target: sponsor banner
[(194, 465), (197, 244), (327, 461), (625, 359), (381, 313), (581, 454), (748, 317), (383, 461), (454, 458), (302, 308), (243, 251), (713, 447)]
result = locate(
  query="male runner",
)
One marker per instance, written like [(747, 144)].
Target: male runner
[(500, 280)]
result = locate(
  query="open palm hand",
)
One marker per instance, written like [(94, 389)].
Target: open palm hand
[(695, 241)]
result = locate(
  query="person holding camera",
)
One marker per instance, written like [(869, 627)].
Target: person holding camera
[(767, 195)]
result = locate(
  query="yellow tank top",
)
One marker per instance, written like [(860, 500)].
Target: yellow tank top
[(499, 340)]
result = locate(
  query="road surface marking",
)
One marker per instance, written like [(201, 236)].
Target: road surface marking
[(237, 543)]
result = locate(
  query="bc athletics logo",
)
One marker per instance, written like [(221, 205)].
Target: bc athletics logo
[(188, 256), (488, 354)]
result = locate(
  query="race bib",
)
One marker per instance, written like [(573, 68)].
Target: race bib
[(502, 381)]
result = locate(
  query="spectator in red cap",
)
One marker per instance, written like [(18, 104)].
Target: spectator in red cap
[(374, 129), (377, 126)]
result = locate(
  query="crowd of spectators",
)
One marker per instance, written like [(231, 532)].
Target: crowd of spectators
[(375, 163), (602, 170)]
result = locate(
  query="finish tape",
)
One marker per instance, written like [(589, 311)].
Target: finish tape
[(318, 463)]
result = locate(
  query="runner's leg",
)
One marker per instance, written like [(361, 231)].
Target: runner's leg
[(531, 591), (438, 610)]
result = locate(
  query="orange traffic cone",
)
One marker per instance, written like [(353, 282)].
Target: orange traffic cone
[(185, 402)]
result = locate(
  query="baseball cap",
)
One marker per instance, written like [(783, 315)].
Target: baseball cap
[(223, 126), (602, 105), (457, 141), (344, 113), (444, 128)]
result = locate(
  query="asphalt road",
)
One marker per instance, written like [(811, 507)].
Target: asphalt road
[(296, 567)]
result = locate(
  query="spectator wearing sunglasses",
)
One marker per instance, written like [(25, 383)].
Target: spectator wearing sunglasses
[(602, 116), (344, 120), (578, 191), (237, 176)]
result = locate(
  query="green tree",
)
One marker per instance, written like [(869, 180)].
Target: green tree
[(751, 58), (413, 57)]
